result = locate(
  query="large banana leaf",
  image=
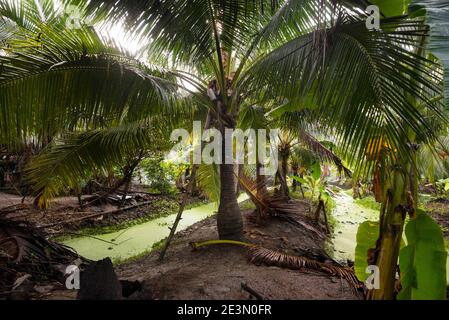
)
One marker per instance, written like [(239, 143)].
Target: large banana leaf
[(423, 261), (367, 234), (391, 8)]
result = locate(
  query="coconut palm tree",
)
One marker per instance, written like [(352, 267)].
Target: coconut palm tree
[(296, 132), (309, 53)]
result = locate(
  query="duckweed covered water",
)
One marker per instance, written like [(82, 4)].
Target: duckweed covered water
[(135, 240), (348, 215)]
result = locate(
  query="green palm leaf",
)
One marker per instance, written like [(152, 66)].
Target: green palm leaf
[(74, 157), (208, 178), (353, 77), (71, 78)]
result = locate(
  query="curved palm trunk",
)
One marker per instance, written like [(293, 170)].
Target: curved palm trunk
[(283, 173), (294, 182)]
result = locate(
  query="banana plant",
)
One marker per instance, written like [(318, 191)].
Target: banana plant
[(423, 261)]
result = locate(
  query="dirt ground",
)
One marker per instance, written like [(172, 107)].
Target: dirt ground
[(218, 271), (439, 209)]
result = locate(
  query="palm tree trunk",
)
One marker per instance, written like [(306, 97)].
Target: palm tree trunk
[(125, 192), (229, 217), (80, 200), (283, 174), (294, 182)]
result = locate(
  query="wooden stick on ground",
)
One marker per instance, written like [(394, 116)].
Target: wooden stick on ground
[(185, 197), (252, 292)]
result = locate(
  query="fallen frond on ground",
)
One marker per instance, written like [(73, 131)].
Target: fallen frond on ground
[(259, 255), (274, 205), (263, 256), (25, 250)]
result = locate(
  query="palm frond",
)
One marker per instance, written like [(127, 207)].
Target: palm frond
[(208, 178), (30, 15), (323, 153), (360, 81), (264, 256), (437, 14), (185, 28), (70, 78), (260, 255), (23, 249), (257, 192), (276, 206), (67, 161)]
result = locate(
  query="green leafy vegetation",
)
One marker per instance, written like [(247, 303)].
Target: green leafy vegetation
[(368, 202), (367, 235), (423, 261)]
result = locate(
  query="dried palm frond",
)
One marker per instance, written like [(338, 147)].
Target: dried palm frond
[(24, 249), (262, 256), (257, 192), (274, 205), (259, 256), (322, 152)]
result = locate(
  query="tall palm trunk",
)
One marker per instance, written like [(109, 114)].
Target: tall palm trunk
[(229, 217)]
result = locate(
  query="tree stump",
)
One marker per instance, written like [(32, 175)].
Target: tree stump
[(99, 282)]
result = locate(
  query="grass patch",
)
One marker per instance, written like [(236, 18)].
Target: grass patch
[(368, 203), (247, 205), (330, 207)]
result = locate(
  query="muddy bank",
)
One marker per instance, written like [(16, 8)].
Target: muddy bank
[(65, 216), (217, 272), (439, 210)]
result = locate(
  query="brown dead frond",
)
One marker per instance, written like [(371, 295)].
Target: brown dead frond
[(257, 192), (311, 261), (263, 256), (274, 205), (24, 249), (323, 152)]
